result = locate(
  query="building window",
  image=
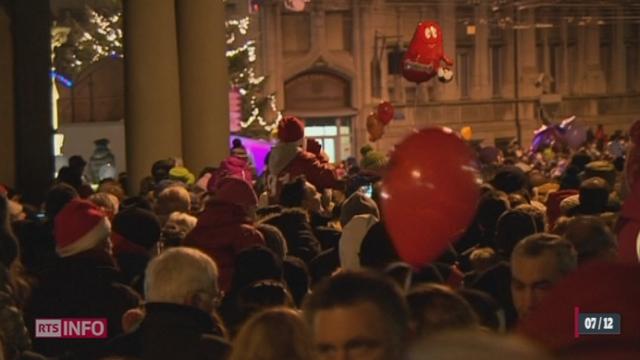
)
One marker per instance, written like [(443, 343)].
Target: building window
[(339, 30), (463, 71), (334, 134), (296, 33), (496, 70)]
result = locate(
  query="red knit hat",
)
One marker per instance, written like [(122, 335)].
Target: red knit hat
[(80, 226), (232, 190), (290, 129)]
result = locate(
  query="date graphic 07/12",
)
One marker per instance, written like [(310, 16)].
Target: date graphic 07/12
[(596, 323)]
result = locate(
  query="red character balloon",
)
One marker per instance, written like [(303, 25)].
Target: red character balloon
[(385, 112), (430, 194), (423, 59), (375, 127)]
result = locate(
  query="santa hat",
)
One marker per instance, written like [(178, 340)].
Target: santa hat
[(80, 226), (290, 129), (232, 190)]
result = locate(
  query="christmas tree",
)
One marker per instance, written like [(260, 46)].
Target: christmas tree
[(89, 41), (259, 115)]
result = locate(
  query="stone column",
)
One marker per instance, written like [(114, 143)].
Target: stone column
[(31, 27), (152, 100), (593, 77), (447, 18), (481, 69), (204, 83), (619, 57), (7, 120), (527, 55)]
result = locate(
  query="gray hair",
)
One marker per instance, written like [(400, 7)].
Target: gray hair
[(536, 244), (179, 273)]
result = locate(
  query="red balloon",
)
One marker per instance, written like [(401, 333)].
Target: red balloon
[(385, 112), (430, 194)]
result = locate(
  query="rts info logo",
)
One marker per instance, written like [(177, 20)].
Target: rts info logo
[(71, 328)]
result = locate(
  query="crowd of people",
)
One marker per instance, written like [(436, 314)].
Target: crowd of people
[(297, 262)]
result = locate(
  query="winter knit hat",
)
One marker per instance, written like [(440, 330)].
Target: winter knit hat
[(138, 226), (357, 204), (290, 129), (235, 191), (80, 226), (372, 160), (183, 174)]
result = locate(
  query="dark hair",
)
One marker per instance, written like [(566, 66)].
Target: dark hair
[(293, 193), (590, 236), (485, 307), (274, 239), (236, 143), (348, 288), (296, 275), (535, 245), (8, 242), (57, 197), (513, 226), (255, 263), (377, 250), (492, 205), (435, 308)]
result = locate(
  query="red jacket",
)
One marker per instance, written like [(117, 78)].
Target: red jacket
[(287, 161), (223, 230)]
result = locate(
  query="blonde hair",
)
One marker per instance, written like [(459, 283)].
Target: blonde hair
[(177, 227), (174, 198), (108, 202), (274, 334)]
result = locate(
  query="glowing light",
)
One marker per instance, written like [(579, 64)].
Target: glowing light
[(63, 80)]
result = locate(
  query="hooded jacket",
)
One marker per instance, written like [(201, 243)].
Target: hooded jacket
[(288, 161), (223, 230)]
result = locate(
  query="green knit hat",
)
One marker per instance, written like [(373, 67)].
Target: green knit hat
[(371, 159)]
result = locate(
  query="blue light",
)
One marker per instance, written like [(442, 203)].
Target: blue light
[(63, 80)]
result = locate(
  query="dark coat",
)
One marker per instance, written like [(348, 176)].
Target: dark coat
[(294, 225), (223, 230), (87, 285), (171, 331)]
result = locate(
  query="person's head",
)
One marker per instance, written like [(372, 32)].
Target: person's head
[(490, 315), (299, 193), (537, 213), (113, 187), (8, 242), (173, 198), (274, 239), (538, 262), (296, 275), (258, 296), (357, 315), (256, 263), (57, 197), (236, 192), (77, 163), (274, 334), (138, 226), (377, 250), (510, 179), (107, 202), (593, 196), (483, 258), (79, 227), (177, 227), (592, 239), (437, 308), (160, 169), (236, 143), (513, 226), (291, 130), (196, 284), (492, 205), (357, 204)]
